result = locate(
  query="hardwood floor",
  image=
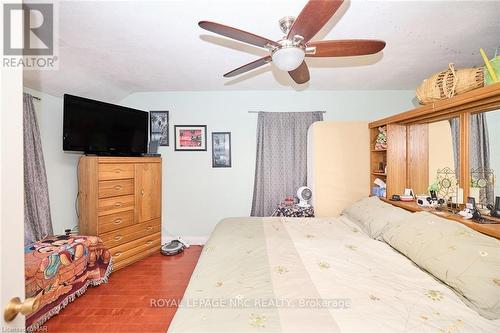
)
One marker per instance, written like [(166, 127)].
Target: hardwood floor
[(124, 303)]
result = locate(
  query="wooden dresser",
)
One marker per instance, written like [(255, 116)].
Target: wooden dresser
[(119, 200)]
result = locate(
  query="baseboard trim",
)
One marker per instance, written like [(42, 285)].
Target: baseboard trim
[(191, 240)]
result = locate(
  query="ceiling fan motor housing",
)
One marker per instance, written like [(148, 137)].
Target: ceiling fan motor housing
[(286, 24)]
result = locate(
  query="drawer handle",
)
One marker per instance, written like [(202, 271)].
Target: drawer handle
[(118, 221), (118, 237), (118, 187), (118, 170), (149, 242), (142, 192), (118, 204), (149, 228), (117, 254)]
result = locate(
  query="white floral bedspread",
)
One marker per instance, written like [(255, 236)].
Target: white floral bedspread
[(314, 275)]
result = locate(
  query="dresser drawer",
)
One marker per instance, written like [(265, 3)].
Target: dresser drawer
[(136, 247), (115, 221), (116, 171), (128, 234), (113, 188), (114, 205)]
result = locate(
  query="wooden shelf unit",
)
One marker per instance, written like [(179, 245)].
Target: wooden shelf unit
[(394, 157)]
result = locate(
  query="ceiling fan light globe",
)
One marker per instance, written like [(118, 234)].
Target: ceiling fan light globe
[(288, 58)]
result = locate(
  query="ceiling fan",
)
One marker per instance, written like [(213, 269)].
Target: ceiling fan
[(288, 53)]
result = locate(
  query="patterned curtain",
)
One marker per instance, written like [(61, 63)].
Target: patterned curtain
[(479, 149), (281, 162), (455, 137), (480, 152), (37, 221)]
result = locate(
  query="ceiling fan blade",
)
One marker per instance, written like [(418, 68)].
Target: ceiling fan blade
[(300, 74), (237, 34), (313, 17), (248, 67), (346, 47)]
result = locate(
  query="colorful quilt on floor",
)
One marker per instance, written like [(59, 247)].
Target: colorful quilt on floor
[(60, 268)]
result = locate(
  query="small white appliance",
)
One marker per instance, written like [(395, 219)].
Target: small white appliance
[(304, 194)]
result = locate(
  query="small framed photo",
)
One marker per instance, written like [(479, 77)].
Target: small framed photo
[(158, 124), (221, 149), (190, 137)]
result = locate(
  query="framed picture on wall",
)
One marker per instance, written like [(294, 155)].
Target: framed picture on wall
[(158, 124), (190, 137), (221, 149)]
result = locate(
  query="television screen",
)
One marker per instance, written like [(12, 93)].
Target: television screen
[(101, 128)]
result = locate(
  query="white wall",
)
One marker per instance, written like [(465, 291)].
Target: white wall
[(11, 190), (60, 166), (195, 195)]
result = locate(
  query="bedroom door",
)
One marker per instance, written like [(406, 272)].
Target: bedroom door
[(11, 194), (148, 191)]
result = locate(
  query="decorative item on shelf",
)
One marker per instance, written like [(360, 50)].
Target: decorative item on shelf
[(380, 190), (434, 187), (449, 83), (495, 210), (431, 201), (481, 180), (492, 67), (433, 191), (447, 188), (470, 211), (381, 168), (381, 140), (395, 197), (424, 201), (408, 195)]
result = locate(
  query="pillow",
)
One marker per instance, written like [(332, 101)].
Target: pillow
[(373, 215), (464, 259)]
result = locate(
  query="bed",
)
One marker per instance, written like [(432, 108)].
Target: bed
[(60, 268), (315, 275)]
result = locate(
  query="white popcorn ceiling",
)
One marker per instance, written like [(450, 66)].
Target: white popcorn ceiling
[(110, 49)]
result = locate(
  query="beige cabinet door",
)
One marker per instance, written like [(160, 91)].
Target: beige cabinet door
[(148, 191)]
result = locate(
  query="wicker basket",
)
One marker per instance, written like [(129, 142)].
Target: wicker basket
[(449, 83)]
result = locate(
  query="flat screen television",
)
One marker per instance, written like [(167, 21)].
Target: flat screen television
[(100, 128)]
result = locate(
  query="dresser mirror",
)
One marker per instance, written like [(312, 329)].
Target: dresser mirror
[(444, 159), (484, 157)]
